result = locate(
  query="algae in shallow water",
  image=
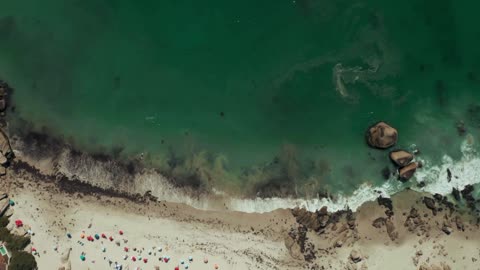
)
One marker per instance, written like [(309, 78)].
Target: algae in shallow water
[(214, 90)]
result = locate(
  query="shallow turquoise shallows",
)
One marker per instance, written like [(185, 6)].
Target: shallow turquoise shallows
[(248, 95)]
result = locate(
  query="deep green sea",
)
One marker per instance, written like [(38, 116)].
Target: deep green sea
[(272, 96)]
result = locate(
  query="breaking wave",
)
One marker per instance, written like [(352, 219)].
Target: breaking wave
[(108, 175)]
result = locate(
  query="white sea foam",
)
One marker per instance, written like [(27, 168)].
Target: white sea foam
[(464, 171)]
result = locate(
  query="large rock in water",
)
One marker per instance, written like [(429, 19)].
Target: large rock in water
[(381, 135), (401, 157), (407, 172)]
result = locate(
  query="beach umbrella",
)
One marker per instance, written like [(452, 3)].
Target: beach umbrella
[(104, 236), (125, 249), (149, 252), (182, 262), (97, 236), (110, 238), (69, 235), (34, 250), (159, 249), (82, 235), (190, 258), (145, 260), (205, 260), (104, 249), (165, 259), (82, 257), (90, 238), (186, 266), (134, 258), (120, 232), (177, 267), (18, 223), (11, 202), (216, 266), (125, 257)]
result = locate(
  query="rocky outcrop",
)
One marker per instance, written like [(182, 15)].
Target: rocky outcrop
[(407, 172), (3, 97), (414, 222), (391, 231), (293, 247), (307, 218), (382, 135), (401, 158), (379, 222), (6, 152), (467, 195), (430, 204), (387, 202)]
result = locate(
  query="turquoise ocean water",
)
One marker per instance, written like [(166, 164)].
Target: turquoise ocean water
[(247, 96)]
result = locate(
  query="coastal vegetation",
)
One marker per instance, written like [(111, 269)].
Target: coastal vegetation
[(20, 260)]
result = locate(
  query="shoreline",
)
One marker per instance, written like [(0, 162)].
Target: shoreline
[(102, 173), (284, 239)]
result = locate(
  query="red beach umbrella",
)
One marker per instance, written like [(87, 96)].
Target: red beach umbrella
[(18, 223), (145, 260), (104, 236), (165, 260), (134, 258), (177, 268), (126, 249), (110, 238), (120, 232)]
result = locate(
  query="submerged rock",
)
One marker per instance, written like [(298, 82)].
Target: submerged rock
[(408, 171), (456, 194), (382, 136), (401, 157)]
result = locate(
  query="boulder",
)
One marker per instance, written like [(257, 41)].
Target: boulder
[(447, 229), (401, 158), (387, 202), (382, 136), (5, 147), (379, 222), (429, 203), (392, 233), (293, 248), (407, 172), (355, 256)]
